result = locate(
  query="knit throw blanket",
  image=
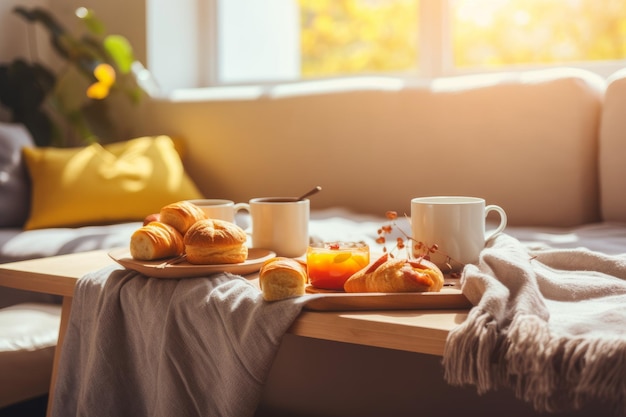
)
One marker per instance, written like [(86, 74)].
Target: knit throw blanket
[(549, 324), (139, 346)]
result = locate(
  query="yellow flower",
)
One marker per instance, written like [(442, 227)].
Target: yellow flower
[(105, 74)]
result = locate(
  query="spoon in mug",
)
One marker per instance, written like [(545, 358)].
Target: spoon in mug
[(313, 191)]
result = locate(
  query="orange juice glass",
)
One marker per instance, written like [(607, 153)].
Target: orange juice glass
[(330, 264)]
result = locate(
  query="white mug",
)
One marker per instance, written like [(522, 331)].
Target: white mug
[(216, 208), (280, 224), (456, 225)]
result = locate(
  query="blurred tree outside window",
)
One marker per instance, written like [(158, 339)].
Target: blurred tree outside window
[(288, 40), (339, 37), (495, 33), (347, 37)]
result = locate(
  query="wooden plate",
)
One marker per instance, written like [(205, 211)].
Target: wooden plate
[(163, 269), (450, 297)]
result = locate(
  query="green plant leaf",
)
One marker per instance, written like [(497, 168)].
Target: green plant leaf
[(121, 51)]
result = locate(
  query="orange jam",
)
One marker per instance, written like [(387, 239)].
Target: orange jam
[(330, 264)]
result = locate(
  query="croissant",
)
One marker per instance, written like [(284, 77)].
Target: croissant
[(182, 215), (396, 275), (281, 278), (156, 240)]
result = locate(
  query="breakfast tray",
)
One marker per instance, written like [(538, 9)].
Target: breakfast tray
[(450, 297)]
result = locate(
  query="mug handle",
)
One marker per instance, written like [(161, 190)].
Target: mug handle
[(242, 206), (503, 220), (246, 207)]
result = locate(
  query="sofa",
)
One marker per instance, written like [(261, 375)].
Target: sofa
[(546, 145)]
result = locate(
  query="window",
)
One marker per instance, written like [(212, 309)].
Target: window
[(225, 42), (348, 37)]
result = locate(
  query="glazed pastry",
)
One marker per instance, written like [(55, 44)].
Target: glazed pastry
[(281, 278), (154, 217), (396, 275), (156, 240), (182, 215), (213, 241)]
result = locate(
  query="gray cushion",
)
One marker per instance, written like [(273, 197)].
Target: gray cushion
[(14, 180)]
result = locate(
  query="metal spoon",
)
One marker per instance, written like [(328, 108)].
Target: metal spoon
[(313, 191)]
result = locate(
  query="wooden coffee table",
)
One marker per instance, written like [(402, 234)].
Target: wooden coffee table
[(421, 331)]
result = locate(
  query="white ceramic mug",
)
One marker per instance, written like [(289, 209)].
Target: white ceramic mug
[(217, 208), (456, 225), (280, 224)]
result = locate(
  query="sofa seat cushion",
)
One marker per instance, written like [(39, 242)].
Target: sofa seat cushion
[(28, 337), (19, 245)]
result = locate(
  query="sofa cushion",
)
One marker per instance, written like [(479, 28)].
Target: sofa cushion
[(612, 150), (14, 183), (123, 181)]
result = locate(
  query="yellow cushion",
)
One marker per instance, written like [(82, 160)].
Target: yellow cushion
[(123, 181)]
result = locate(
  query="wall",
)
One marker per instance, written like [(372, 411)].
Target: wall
[(13, 36), (124, 17), (13, 39)]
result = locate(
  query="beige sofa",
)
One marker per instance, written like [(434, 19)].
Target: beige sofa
[(548, 146)]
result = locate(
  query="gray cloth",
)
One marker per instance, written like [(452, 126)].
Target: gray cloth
[(548, 323), (138, 346)]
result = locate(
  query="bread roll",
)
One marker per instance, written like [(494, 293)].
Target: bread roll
[(396, 275), (156, 240), (281, 278), (154, 217), (213, 241), (182, 215)]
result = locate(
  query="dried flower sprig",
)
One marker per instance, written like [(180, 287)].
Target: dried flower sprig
[(415, 249)]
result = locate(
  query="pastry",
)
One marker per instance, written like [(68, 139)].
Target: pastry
[(156, 240), (182, 215), (154, 217), (213, 241), (281, 278), (396, 275)]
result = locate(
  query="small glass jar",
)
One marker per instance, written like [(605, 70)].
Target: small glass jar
[(330, 264)]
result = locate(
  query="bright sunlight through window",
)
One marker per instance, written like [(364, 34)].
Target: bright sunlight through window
[(341, 37), (495, 33), (227, 42)]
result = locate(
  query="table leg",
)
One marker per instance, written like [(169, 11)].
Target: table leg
[(65, 317)]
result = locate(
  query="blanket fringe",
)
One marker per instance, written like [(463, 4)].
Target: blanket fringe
[(554, 374), (563, 374), (470, 360)]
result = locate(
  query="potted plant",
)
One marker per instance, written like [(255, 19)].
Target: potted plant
[(73, 105)]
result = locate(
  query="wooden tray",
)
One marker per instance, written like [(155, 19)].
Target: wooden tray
[(164, 269), (450, 297)]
